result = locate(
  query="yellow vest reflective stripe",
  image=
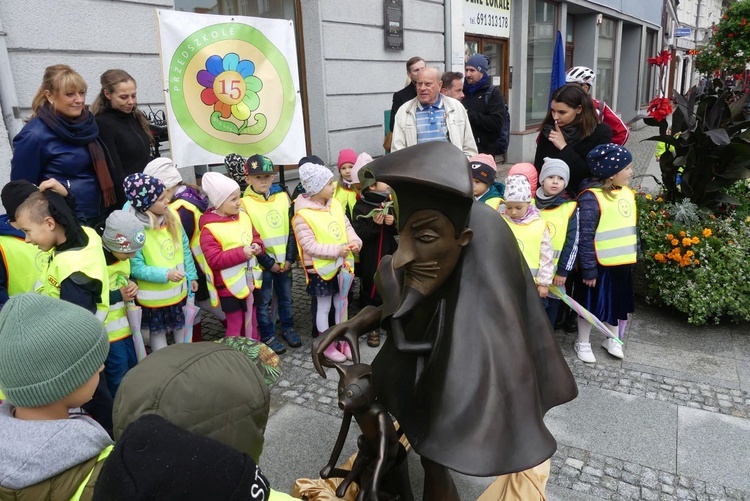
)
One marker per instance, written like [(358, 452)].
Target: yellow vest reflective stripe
[(616, 238), (529, 238), (24, 264), (162, 251), (117, 321), (494, 202), (329, 227), (230, 235), (271, 219), (347, 197), (88, 260), (102, 456), (557, 220)]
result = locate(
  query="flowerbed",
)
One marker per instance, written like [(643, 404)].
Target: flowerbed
[(696, 260)]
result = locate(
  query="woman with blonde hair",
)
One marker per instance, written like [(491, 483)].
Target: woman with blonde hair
[(61, 141), (124, 129)]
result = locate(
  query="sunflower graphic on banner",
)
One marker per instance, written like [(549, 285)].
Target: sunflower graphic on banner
[(231, 86)]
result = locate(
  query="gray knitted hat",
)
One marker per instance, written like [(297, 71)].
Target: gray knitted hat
[(123, 232), (48, 349), (554, 167), (314, 177)]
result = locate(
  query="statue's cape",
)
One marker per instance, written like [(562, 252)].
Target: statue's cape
[(496, 368)]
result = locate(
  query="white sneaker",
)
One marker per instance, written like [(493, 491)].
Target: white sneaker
[(584, 353), (614, 348)]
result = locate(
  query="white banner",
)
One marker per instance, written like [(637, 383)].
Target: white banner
[(231, 86), (487, 17)]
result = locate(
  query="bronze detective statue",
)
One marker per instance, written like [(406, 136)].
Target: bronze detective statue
[(471, 364)]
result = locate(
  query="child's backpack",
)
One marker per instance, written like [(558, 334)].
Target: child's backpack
[(501, 143)]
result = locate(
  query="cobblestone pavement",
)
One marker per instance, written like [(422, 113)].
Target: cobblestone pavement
[(582, 471)]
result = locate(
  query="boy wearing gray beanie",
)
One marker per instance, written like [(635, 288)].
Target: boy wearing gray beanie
[(560, 212), (124, 235), (51, 354)]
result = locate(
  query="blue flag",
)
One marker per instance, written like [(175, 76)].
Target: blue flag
[(557, 79)]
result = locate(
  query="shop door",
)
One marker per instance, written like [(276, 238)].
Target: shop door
[(496, 49)]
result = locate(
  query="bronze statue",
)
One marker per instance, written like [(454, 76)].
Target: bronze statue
[(380, 468), (471, 364)]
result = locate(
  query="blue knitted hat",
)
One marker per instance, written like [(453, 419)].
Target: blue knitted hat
[(606, 160), (480, 62), (142, 190)]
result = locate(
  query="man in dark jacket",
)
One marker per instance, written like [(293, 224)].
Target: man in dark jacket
[(484, 104), (413, 67)]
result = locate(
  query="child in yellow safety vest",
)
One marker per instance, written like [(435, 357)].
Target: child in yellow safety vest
[(560, 213), (51, 354), (269, 210), (608, 247), (346, 190), (76, 271), (123, 236), (230, 247), (164, 269), (327, 242), (530, 230), (190, 204), (486, 189)]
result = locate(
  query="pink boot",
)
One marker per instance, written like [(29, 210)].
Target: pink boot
[(331, 353), (344, 348)]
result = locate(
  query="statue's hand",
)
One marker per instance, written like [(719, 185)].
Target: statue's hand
[(326, 471)]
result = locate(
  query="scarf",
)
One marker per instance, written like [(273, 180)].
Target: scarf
[(472, 88), (83, 131), (571, 133), (375, 198)]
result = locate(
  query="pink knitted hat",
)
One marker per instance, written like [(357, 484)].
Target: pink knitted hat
[(346, 156), (528, 170)]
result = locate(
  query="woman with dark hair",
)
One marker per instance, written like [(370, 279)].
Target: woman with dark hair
[(61, 141), (569, 131), (124, 129)]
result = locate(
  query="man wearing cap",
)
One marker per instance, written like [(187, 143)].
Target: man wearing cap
[(443, 306), (484, 104), (432, 117)]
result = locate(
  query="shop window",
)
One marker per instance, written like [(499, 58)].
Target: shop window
[(647, 71), (542, 31), (605, 60)]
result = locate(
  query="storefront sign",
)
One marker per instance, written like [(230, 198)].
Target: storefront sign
[(487, 17), (231, 86)]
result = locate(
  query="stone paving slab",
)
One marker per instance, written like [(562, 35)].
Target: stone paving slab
[(682, 360), (741, 343), (714, 448), (743, 371), (602, 421)]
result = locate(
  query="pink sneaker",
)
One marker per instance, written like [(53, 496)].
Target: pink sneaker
[(331, 353), (344, 348)]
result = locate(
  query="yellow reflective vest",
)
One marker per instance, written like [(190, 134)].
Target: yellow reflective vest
[(230, 235), (529, 238), (102, 456), (347, 197), (329, 227), (163, 251), (557, 220), (271, 220), (494, 202), (117, 320), (616, 237), (24, 264), (195, 238), (88, 260)]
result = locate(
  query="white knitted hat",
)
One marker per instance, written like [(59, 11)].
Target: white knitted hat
[(218, 187), (163, 169), (314, 177)]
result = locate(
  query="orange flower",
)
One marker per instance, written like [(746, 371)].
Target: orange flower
[(682, 233), (712, 216), (660, 199), (670, 236), (697, 262), (659, 257), (707, 232), (686, 242), (675, 242), (653, 214), (689, 253), (696, 240)]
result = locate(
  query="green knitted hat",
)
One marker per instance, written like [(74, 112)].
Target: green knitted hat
[(48, 349)]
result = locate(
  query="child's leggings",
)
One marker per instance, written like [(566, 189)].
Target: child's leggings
[(324, 308)]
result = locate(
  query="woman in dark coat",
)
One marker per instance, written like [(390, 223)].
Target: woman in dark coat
[(569, 131), (122, 126), (61, 141)]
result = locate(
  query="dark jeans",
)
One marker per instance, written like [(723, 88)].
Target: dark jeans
[(281, 284), (551, 306), (120, 360), (100, 405)]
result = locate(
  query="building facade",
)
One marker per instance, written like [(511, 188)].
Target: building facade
[(347, 73)]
